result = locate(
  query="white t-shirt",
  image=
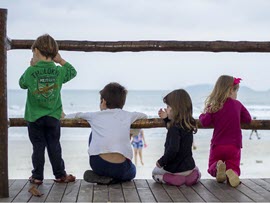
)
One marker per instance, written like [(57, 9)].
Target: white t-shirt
[(110, 130)]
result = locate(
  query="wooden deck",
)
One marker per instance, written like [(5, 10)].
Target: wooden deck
[(251, 190)]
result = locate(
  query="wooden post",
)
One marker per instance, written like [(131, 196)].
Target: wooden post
[(3, 106)]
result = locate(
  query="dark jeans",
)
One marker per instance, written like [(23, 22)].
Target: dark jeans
[(121, 172), (45, 132)]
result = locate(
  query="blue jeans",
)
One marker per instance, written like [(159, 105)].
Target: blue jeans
[(120, 172), (45, 132)]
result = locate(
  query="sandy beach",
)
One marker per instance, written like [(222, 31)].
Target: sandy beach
[(255, 161)]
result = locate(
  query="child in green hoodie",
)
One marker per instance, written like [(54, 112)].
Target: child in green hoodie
[(43, 81)]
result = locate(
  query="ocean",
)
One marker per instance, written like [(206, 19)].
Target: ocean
[(145, 101)]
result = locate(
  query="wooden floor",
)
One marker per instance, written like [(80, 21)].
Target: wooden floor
[(251, 190)]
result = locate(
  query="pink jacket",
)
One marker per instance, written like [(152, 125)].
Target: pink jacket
[(227, 123)]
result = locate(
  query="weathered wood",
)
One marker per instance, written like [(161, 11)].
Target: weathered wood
[(15, 189), (259, 190), (130, 192), (207, 190), (204, 193), (56, 193), (3, 106), (159, 192), (251, 193), (142, 123), (218, 192), (236, 194), (152, 45), (86, 192)]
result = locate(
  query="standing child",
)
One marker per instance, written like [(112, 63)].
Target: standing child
[(43, 81), (226, 114), (177, 166), (138, 142), (110, 152)]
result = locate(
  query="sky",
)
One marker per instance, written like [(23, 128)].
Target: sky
[(116, 20)]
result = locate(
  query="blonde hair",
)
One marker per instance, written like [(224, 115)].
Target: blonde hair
[(181, 104), (220, 93)]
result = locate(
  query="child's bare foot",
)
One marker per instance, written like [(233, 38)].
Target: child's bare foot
[(221, 169), (142, 163)]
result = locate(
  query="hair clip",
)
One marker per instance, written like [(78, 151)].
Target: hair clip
[(236, 81)]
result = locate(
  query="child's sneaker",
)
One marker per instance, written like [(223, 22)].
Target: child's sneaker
[(221, 172), (91, 177), (233, 178)]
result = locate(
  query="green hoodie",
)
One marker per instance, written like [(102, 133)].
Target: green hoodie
[(44, 82)]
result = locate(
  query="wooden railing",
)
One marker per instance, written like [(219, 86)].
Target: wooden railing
[(103, 46), (142, 123)]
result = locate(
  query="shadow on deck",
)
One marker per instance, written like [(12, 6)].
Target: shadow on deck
[(139, 190)]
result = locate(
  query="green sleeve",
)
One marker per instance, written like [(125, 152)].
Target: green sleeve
[(23, 81), (69, 72)]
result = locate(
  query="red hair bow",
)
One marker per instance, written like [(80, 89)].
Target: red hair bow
[(236, 81)]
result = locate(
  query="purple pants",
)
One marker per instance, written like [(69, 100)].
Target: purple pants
[(230, 154)]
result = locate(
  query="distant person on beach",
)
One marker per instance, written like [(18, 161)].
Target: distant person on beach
[(226, 114), (110, 151), (138, 142), (43, 81), (177, 166), (254, 131)]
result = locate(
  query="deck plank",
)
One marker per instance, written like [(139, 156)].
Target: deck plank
[(144, 191), (190, 194), (204, 193), (14, 190), (101, 193), (72, 191), (24, 195), (56, 193), (207, 190), (159, 192), (217, 191), (130, 192), (262, 183), (86, 192), (175, 194), (45, 189), (236, 194), (257, 189), (116, 193), (250, 193)]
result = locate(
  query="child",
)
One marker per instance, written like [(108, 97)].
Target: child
[(226, 114), (138, 142), (110, 152), (254, 131), (43, 81), (177, 166)]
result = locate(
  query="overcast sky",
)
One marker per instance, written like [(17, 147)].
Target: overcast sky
[(116, 20)]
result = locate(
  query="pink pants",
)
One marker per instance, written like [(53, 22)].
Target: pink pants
[(230, 154)]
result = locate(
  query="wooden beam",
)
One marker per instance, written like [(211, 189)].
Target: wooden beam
[(142, 123), (152, 45), (3, 106)]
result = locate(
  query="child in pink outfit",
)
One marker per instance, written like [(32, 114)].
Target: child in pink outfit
[(177, 166), (225, 114)]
